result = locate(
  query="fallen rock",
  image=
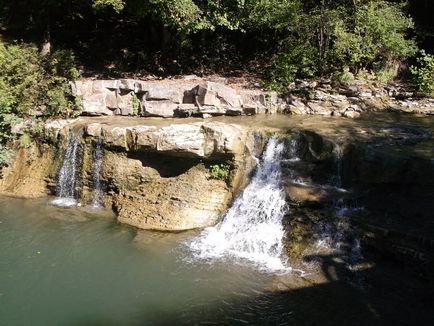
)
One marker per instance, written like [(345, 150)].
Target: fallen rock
[(164, 108)]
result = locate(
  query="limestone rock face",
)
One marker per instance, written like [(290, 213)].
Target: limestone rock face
[(28, 175), (155, 175), (210, 140), (161, 92), (54, 128), (166, 98), (150, 198), (163, 108)]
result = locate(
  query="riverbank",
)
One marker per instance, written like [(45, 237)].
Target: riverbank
[(215, 96)]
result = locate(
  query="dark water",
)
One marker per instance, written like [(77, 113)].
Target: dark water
[(73, 267), (78, 267)]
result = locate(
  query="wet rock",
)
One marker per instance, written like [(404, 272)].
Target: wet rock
[(115, 137), (93, 130), (180, 202), (320, 108), (53, 128), (351, 114)]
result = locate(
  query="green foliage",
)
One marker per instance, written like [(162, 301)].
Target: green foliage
[(387, 73), (325, 36), (6, 155), (293, 38), (299, 61), (220, 171), (377, 36), (135, 105), (345, 77), (25, 140), (117, 5), (31, 84), (423, 73), (275, 14)]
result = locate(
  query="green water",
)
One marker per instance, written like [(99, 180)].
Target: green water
[(78, 267)]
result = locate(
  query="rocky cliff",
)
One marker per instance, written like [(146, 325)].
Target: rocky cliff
[(156, 175), (201, 97)]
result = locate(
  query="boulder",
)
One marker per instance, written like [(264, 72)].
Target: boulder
[(213, 110), (143, 138), (165, 108), (125, 102), (53, 128), (93, 130), (162, 92), (115, 137), (128, 85), (185, 139), (185, 110), (351, 114), (95, 104), (320, 108), (215, 94)]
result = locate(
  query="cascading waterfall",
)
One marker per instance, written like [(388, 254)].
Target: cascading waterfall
[(339, 236), (67, 178), (338, 159), (252, 228), (98, 156)]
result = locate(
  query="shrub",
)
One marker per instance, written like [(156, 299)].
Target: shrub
[(220, 171), (297, 61), (377, 36), (34, 86), (423, 73), (136, 105), (25, 140), (6, 155), (345, 77)]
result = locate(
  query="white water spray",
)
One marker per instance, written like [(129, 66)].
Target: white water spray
[(252, 229), (67, 179)]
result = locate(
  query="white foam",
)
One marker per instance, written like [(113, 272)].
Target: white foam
[(64, 202), (252, 229)]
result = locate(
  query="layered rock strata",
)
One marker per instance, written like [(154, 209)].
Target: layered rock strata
[(155, 176), (198, 97)]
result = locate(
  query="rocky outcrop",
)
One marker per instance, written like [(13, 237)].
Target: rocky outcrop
[(30, 174), (321, 98), (169, 98), (155, 193), (155, 175), (200, 97)]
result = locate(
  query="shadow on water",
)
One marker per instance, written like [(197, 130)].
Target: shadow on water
[(390, 295)]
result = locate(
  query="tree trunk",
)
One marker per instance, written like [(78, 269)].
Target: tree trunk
[(46, 44)]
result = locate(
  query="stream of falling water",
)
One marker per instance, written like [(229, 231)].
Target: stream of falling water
[(67, 178), (252, 229)]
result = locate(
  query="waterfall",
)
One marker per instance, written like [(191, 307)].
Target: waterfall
[(98, 156), (338, 160), (67, 177), (252, 228)]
